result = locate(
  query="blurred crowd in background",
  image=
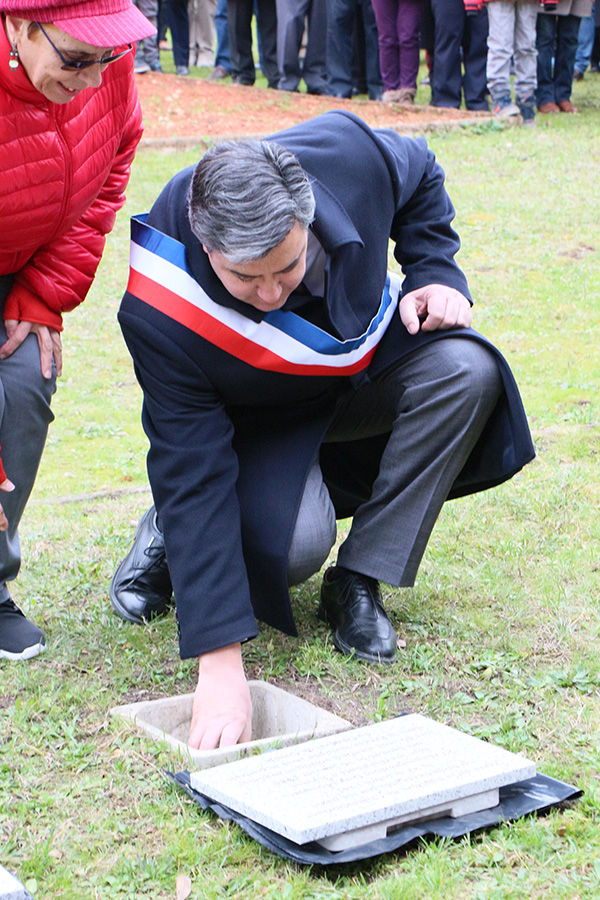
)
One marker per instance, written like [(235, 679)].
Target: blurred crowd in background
[(478, 51)]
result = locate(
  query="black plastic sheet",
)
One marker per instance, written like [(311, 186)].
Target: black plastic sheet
[(535, 795)]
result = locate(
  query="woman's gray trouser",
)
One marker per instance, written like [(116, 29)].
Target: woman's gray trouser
[(436, 403), (24, 418)]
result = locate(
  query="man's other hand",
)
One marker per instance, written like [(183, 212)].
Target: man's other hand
[(222, 711), (434, 307)]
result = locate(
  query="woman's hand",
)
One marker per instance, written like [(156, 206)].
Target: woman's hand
[(48, 340), (6, 485)]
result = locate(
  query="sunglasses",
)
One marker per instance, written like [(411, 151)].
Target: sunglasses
[(75, 65)]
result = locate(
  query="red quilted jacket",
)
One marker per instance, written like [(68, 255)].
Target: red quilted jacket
[(64, 172)]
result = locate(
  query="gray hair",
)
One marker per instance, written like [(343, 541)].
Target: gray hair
[(246, 196)]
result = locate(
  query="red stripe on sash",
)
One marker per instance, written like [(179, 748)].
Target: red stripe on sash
[(215, 332)]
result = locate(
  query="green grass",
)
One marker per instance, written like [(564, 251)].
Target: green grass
[(501, 629)]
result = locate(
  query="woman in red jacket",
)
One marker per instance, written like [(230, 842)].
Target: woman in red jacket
[(71, 122)]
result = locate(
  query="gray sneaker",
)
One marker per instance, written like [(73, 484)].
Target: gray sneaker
[(504, 108)]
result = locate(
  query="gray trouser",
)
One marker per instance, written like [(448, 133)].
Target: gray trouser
[(147, 49), (201, 14), (512, 35), (24, 418), (436, 403)]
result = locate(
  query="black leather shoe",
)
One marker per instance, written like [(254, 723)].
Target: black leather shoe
[(351, 605), (141, 587)]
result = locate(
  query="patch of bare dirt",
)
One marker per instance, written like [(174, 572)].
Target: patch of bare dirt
[(190, 109)]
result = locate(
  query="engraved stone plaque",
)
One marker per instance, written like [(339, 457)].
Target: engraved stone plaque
[(351, 788)]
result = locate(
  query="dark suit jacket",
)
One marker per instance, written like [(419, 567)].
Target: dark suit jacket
[(231, 444)]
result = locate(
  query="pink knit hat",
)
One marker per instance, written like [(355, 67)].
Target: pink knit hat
[(101, 23)]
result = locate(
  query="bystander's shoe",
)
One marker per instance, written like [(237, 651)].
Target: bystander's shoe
[(351, 605), (19, 638), (391, 96), (141, 587), (140, 68), (504, 108), (182, 70), (156, 67), (218, 73), (406, 96), (527, 110), (202, 59), (567, 106), (577, 76), (548, 109)]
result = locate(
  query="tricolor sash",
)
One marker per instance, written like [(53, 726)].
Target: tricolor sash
[(281, 342)]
